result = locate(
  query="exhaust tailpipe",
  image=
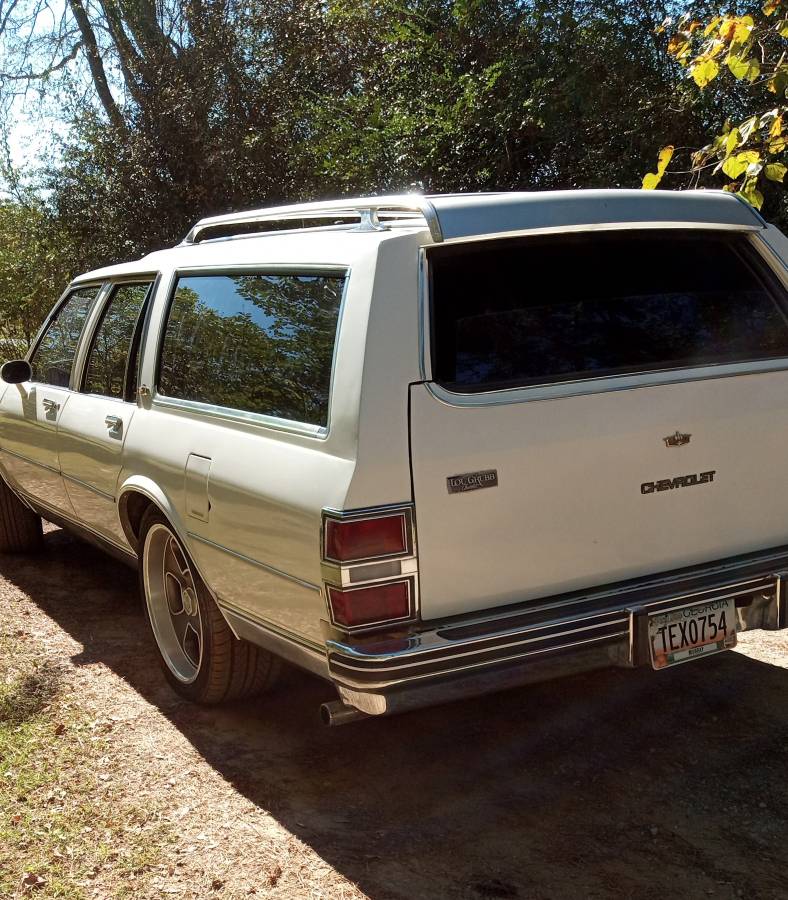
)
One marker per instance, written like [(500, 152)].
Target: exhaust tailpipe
[(338, 713)]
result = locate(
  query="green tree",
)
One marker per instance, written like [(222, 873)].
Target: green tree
[(35, 266)]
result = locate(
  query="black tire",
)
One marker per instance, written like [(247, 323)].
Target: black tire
[(229, 668), (21, 529)]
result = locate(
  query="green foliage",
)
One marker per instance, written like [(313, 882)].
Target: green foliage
[(754, 52), (35, 265), (232, 106)]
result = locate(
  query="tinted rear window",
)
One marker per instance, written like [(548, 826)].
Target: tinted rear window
[(558, 308)]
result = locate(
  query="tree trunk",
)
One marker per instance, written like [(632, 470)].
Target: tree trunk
[(96, 65)]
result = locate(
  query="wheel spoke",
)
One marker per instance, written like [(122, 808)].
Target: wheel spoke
[(174, 593), (175, 565)]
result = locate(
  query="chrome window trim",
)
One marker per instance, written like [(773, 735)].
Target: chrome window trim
[(585, 387), (605, 226), (274, 423), (425, 332)]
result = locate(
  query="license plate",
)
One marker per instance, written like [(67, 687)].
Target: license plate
[(680, 635)]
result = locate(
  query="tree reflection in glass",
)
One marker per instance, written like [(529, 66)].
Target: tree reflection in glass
[(110, 351), (261, 343)]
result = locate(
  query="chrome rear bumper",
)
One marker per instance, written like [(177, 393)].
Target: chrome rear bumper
[(457, 658)]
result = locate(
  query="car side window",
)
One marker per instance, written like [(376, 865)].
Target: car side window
[(260, 343), (53, 358), (111, 361)]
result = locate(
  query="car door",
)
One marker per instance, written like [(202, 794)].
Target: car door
[(30, 412), (92, 428)]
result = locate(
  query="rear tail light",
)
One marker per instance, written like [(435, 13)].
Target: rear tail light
[(358, 539), (370, 605), (369, 567)]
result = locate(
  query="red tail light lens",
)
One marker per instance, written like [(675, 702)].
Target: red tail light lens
[(366, 606), (357, 539)]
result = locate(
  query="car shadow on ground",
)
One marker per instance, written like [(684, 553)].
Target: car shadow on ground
[(614, 784)]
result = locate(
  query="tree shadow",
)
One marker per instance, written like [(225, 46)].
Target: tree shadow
[(614, 784)]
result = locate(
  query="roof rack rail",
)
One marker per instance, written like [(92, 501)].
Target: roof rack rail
[(371, 212)]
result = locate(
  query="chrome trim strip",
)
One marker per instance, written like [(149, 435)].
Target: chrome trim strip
[(413, 661), (583, 388), (76, 524), (358, 665), (33, 462), (89, 487), (497, 662), (254, 562), (580, 597)]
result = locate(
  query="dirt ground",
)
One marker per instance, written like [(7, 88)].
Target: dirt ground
[(613, 785)]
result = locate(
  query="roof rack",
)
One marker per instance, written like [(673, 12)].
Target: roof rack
[(370, 213), (457, 217)]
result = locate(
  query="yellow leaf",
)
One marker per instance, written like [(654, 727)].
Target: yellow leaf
[(728, 28), (783, 29), (711, 26), (771, 7), (777, 127), (777, 145), (705, 72), (775, 171), (742, 68), (749, 192), (652, 179), (665, 156), (679, 45), (737, 164), (731, 141)]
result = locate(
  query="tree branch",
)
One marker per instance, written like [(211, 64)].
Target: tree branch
[(96, 65), (33, 76)]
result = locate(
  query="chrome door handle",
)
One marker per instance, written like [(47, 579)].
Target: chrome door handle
[(114, 423), (50, 405)]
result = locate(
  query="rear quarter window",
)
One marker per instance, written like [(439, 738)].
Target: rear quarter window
[(548, 309), (254, 342)]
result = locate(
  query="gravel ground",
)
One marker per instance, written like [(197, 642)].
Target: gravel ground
[(612, 785)]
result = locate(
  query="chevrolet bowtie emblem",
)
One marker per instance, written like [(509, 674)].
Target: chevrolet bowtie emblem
[(677, 440)]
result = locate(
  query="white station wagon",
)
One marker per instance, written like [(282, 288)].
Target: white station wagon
[(425, 447)]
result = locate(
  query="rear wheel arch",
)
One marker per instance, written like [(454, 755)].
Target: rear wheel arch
[(136, 495)]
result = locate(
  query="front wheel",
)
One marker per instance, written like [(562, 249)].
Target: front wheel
[(201, 657)]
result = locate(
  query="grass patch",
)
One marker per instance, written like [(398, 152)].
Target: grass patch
[(67, 828)]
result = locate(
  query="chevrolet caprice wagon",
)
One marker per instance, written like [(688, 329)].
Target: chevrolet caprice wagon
[(424, 447)]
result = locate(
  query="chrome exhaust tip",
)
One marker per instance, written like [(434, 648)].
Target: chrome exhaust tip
[(338, 713)]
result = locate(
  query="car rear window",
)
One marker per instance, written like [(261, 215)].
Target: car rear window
[(546, 309)]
